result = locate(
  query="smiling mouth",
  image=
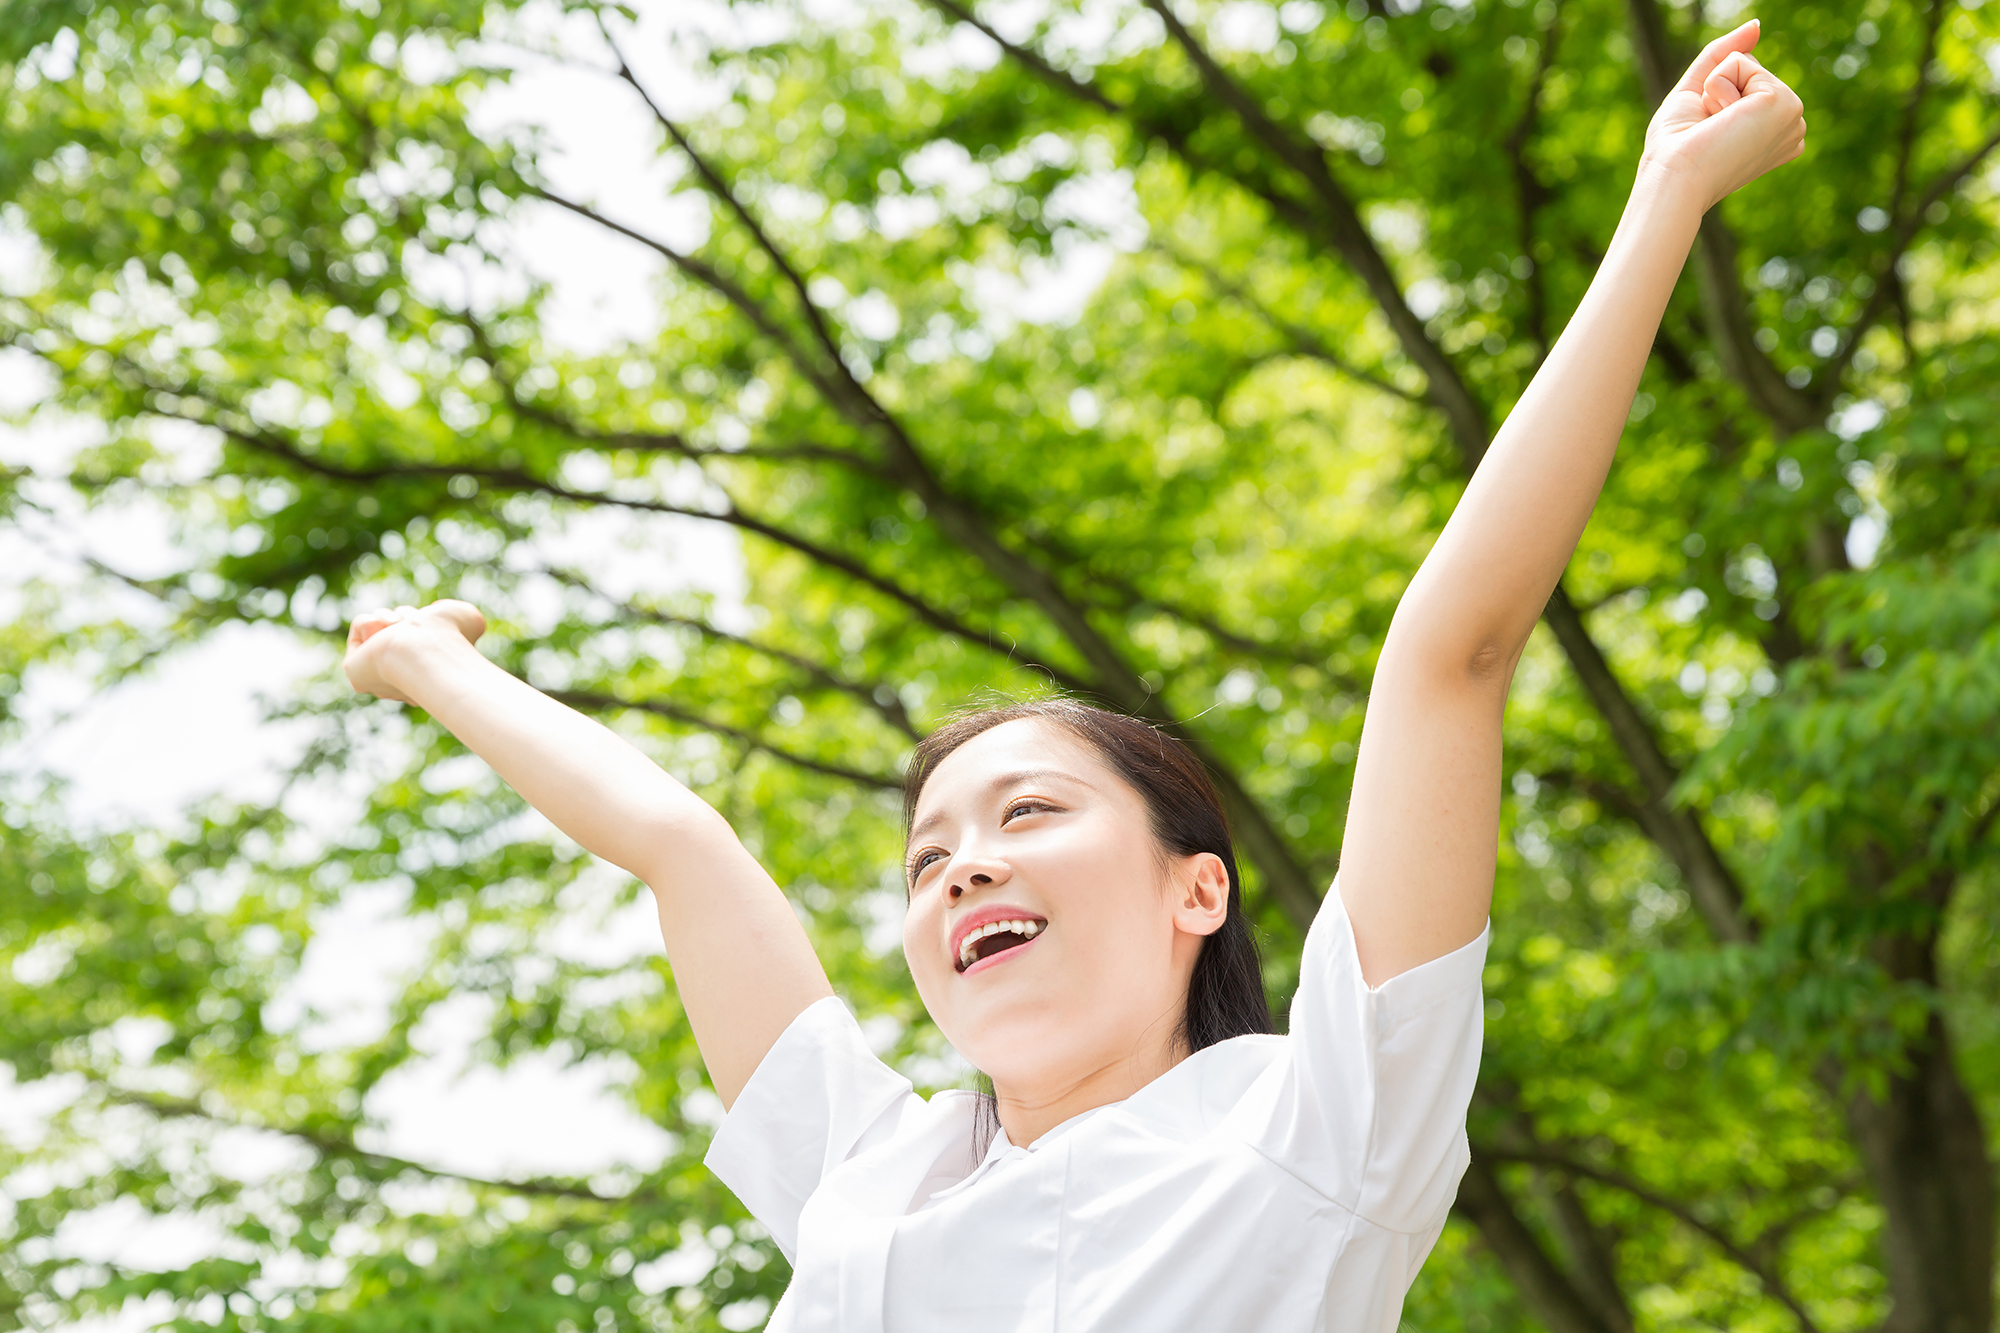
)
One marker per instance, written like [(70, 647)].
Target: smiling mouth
[(996, 937)]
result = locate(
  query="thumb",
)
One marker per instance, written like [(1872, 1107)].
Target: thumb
[(464, 616)]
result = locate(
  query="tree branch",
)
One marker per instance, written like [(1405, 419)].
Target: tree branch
[(1530, 191), (1116, 681), (339, 1145), (1291, 652), (1303, 340), (513, 479), (1742, 1257), (1543, 1285), (1591, 1266), (1336, 218), (1906, 135), (717, 281), (1604, 793), (1983, 826), (1887, 286), (588, 701), (1081, 89), (869, 694), (658, 442), (1333, 219), (723, 190), (1676, 829)]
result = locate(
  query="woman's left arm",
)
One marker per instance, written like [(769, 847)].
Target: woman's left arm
[(1418, 858)]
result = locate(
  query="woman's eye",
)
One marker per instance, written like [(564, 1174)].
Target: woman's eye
[(923, 861), (1027, 807)]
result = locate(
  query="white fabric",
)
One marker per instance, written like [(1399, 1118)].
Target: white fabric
[(1268, 1183)]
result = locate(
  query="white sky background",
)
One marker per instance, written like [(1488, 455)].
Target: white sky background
[(137, 755)]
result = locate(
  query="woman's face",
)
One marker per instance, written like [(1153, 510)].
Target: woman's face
[(1049, 937)]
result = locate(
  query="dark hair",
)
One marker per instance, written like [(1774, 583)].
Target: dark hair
[(1225, 995)]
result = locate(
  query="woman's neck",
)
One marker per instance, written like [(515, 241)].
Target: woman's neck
[(1029, 1111)]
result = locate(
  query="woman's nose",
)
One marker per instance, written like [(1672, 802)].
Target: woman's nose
[(977, 880)]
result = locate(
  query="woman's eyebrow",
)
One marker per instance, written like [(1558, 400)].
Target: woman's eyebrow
[(936, 817)]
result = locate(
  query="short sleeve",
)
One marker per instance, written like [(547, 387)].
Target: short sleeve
[(818, 1097), (1371, 1107)]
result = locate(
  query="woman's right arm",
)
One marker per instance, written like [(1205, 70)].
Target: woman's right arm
[(741, 961)]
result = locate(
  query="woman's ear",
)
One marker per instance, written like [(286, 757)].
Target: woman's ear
[(1201, 890)]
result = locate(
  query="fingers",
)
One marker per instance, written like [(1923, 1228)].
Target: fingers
[(1740, 76), (1762, 81), (1726, 83), (1738, 42), (370, 623), (461, 616), (367, 625)]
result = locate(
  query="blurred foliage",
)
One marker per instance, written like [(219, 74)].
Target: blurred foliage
[(1743, 1019)]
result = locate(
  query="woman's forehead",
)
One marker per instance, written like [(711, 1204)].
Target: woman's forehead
[(1023, 747)]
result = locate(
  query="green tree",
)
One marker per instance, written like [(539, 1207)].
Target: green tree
[(1743, 1020)]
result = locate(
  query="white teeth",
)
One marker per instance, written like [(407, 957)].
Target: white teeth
[(1025, 929)]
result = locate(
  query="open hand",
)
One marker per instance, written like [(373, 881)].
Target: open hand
[(1728, 121), (374, 633)]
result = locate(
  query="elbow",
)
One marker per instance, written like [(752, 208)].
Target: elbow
[(1449, 659), (1492, 664), (668, 842)]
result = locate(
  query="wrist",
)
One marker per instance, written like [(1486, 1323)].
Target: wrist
[(1668, 181)]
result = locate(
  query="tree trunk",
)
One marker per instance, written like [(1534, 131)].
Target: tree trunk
[(1592, 1268), (1924, 1149), (1544, 1288)]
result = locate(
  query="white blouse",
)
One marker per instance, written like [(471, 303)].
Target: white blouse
[(1267, 1183)]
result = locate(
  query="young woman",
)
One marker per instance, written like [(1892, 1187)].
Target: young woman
[(1159, 1161)]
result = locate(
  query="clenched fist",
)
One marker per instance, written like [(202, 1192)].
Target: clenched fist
[(1728, 121), (375, 638)]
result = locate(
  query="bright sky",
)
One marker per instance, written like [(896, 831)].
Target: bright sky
[(192, 726)]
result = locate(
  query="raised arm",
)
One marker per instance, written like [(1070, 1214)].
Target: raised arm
[(741, 961), (1417, 861)]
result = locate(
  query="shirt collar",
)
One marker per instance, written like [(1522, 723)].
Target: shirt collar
[(1003, 1147)]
